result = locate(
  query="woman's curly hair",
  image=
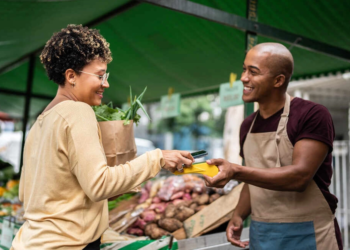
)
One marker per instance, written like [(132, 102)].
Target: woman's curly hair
[(73, 48)]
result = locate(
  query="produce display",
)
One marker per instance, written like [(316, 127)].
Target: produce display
[(9, 202), (106, 112), (164, 205)]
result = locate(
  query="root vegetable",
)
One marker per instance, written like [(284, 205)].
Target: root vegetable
[(170, 211), (155, 187), (195, 195), (199, 208), (214, 197), (158, 207), (158, 217), (154, 232), (144, 196), (202, 199), (135, 231), (140, 223), (170, 224), (193, 206), (184, 203), (177, 195), (148, 186), (183, 213), (148, 216), (156, 200), (177, 201), (187, 197)]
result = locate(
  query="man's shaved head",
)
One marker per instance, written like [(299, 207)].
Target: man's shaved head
[(278, 59)]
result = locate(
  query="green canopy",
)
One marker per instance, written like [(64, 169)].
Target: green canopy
[(160, 48)]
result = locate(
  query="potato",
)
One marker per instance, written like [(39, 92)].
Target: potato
[(214, 197), (170, 211), (199, 208), (202, 199), (170, 224), (154, 232), (193, 206), (183, 213)]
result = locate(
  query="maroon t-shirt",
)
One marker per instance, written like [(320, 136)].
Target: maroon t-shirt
[(307, 120)]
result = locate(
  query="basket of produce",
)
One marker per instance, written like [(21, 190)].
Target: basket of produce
[(167, 206)]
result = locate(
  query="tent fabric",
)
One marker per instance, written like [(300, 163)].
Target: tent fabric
[(160, 48)]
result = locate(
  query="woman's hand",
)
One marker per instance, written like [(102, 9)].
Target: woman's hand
[(175, 159)]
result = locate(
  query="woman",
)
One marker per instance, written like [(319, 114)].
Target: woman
[(65, 181)]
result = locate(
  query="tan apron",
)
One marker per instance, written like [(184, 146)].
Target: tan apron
[(285, 220)]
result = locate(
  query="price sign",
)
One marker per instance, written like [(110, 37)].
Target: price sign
[(231, 95), (170, 105)]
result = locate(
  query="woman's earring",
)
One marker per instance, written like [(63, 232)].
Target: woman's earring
[(73, 84)]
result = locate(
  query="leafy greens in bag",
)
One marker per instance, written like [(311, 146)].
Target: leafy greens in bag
[(106, 112)]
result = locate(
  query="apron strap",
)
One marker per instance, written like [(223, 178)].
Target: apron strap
[(251, 126), (282, 126)]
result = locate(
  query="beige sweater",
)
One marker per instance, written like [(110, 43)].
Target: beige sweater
[(65, 181)]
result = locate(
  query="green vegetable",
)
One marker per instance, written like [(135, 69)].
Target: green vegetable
[(124, 197), (106, 112)]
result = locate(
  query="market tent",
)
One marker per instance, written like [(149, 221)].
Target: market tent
[(160, 48)]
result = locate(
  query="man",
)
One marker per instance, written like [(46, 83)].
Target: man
[(287, 147)]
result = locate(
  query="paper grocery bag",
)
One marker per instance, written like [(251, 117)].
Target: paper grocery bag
[(118, 141)]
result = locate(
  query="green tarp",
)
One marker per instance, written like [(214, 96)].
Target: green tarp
[(161, 48)]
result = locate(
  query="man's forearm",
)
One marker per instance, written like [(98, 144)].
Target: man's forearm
[(243, 208), (286, 178)]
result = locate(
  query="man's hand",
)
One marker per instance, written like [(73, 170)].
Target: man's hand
[(234, 231), (175, 159), (226, 172)]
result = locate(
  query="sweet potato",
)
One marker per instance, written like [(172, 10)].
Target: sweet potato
[(170, 211), (144, 196), (183, 213), (158, 207), (154, 232), (202, 199), (135, 231), (148, 216), (156, 200), (214, 197), (187, 197), (199, 208), (140, 223), (170, 224), (177, 195)]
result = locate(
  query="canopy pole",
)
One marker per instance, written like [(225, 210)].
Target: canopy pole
[(251, 41), (28, 96)]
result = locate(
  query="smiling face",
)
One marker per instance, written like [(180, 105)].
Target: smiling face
[(88, 87), (257, 78)]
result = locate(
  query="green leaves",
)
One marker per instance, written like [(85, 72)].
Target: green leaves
[(106, 112)]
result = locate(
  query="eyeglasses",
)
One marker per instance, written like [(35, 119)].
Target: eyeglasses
[(104, 77)]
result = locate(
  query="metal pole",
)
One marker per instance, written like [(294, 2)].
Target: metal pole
[(344, 152), (251, 41), (30, 79)]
